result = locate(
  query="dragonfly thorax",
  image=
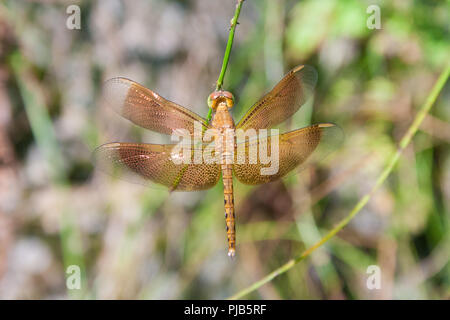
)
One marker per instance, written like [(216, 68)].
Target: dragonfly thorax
[(222, 119)]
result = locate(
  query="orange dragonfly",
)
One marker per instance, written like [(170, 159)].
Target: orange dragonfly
[(160, 163)]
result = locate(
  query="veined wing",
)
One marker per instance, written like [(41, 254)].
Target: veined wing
[(296, 148), (282, 101), (147, 109), (161, 164)]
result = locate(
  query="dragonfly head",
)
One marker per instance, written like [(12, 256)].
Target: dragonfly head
[(220, 97)]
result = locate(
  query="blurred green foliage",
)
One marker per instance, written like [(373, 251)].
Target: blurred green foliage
[(135, 242)]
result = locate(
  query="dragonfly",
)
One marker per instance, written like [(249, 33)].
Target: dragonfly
[(159, 163)]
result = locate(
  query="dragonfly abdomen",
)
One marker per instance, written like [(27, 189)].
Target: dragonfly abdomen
[(226, 153), (227, 178), (225, 139)]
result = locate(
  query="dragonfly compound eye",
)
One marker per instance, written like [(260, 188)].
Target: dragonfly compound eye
[(211, 101), (229, 98)]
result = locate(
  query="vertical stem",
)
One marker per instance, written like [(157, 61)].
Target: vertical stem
[(226, 57)]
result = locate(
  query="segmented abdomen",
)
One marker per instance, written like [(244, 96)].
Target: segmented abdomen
[(227, 176)]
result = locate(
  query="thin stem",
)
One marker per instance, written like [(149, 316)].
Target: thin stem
[(404, 142), (226, 57)]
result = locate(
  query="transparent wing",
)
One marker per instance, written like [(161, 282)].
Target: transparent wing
[(147, 163), (296, 148), (147, 109), (283, 101)]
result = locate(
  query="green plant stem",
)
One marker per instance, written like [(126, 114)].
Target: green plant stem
[(404, 142), (226, 57)]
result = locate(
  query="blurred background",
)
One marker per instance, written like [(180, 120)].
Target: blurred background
[(135, 242)]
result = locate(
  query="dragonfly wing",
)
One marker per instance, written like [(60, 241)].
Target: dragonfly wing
[(154, 163), (297, 148), (282, 101), (147, 109)]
